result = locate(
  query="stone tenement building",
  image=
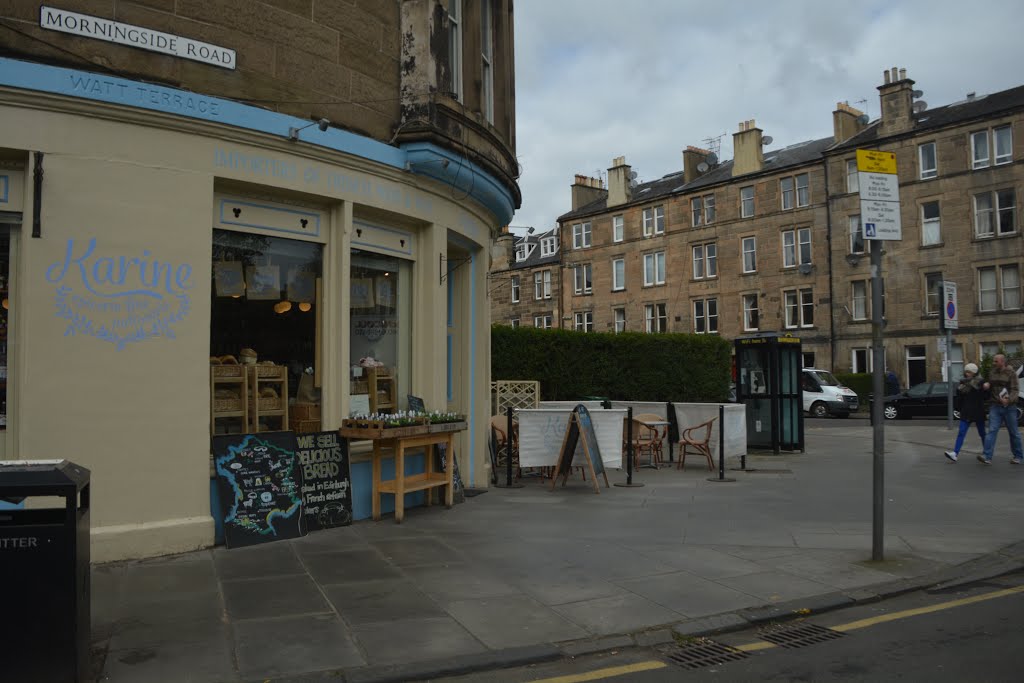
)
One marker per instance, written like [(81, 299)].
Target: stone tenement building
[(525, 281), (771, 240), (187, 186)]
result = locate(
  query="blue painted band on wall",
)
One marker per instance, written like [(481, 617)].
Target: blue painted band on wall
[(463, 174)]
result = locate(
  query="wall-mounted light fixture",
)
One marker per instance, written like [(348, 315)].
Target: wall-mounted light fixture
[(293, 132)]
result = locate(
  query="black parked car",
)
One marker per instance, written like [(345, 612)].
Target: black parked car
[(921, 400)]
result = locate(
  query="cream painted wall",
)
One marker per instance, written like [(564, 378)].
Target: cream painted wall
[(139, 417)]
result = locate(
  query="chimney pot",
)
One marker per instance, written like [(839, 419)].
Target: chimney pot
[(886, 74), (903, 74)]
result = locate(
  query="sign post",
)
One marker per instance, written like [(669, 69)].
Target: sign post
[(880, 218), (949, 321)]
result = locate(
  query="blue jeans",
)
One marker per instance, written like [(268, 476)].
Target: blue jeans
[(999, 415), (965, 426)]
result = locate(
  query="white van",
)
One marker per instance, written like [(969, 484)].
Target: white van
[(824, 395)]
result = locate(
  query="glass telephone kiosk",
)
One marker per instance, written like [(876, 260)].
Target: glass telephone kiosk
[(768, 372)]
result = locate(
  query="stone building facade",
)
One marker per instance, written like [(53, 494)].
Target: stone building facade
[(772, 240), (525, 282), (314, 182)]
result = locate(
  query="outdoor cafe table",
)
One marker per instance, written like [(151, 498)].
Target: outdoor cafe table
[(656, 424)]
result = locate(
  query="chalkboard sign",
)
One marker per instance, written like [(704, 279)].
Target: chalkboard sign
[(415, 404), (580, 431), (326, 485), (260, 484), (458, 490)]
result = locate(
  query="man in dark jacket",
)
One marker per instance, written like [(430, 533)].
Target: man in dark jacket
[(972, 408), (1005, 389)]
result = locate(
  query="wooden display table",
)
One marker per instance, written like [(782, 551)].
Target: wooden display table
[(403, 483)]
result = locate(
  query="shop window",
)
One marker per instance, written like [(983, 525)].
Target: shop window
[(5, 273), (381, 340), (264, 316)]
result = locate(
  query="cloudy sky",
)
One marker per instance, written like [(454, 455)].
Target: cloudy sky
[(596, 79)]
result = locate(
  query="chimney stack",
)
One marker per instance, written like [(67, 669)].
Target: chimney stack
[(897, 99), (619, 190), (692, 157), (846, 121), (748, 156), (586, 190)]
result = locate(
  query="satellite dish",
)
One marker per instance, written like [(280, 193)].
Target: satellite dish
[(703, 167), (712, 158), (863, 119), (632, 175), (917, 93), (767, 140), (633, 183), (919, 106)]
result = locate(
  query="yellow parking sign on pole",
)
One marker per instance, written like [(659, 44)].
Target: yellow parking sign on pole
[(873, 161)]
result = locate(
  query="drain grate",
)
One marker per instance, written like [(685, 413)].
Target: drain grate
[(703, 652), (797, 635)]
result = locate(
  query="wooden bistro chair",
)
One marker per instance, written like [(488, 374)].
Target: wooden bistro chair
[(658, 436), (499, 427), (644, 440), (697, 438)]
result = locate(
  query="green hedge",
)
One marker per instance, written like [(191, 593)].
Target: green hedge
[(860, 382), (623, 367)]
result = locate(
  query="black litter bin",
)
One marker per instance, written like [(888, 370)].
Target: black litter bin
[(44, 572)]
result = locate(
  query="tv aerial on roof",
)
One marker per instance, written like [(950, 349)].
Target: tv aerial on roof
[(767, 140), (703, 167)]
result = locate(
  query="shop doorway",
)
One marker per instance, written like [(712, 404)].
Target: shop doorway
[(917, 365)]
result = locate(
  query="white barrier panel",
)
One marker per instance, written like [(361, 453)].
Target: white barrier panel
[(644, 407), (541, 431), (692, 414)]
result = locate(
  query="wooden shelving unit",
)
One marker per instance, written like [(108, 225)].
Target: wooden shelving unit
[(235, 379), (381, 385), (260, 406)]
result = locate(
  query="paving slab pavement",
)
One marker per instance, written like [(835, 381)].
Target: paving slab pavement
[(520, 575)]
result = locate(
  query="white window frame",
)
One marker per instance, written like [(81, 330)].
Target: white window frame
[(751, 314), (992, 291), (542, 322), (793, 243), (705, 316), (619, 317), (1014, 287), (581, 235), (927, 169), (654, 269), (993, 214), (859, 300), (852, 177), (857, 243), (618, 274), (933, 293), (542, 285), (745, 211), (514, 322), (748, 247), (979, 146), (696, 211), (548, 246), (803, 191), (931, 228), (654, 220), (656, 318), (618, 229), (583, 321), (997, 133), (705, 261), (787, 193), (583, 278), (515, 289), (487, 60), (709, 209), (868, 360), (455, 47), (791, 306), (522, 252)]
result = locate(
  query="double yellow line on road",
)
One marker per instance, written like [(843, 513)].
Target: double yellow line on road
[(614, 671)]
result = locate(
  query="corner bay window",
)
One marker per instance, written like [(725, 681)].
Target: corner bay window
[(264, 320)]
